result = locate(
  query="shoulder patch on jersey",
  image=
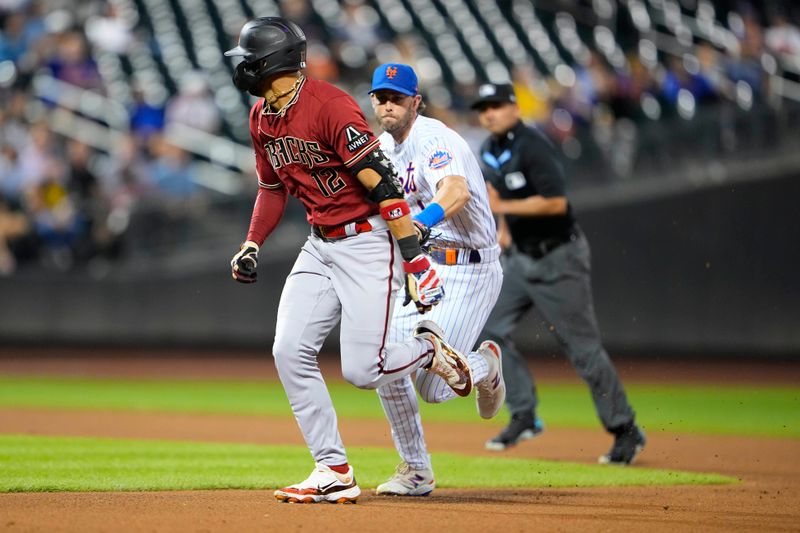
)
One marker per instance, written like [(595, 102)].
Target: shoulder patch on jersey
[(355, 139), (515, 180), (439, 158)]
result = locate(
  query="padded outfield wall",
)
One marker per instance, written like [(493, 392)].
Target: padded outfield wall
[(709, 271)]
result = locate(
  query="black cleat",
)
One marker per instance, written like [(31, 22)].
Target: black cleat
[(629, 442), (522, 427)]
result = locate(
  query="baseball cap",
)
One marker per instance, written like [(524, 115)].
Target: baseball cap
[(494, 93), (395, 77)]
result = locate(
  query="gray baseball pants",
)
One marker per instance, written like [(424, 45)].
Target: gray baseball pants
[(559, 286)]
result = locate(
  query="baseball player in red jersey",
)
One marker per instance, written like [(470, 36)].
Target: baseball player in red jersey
[(313, 142)]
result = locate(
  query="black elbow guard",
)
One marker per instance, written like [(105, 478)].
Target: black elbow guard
[(389, 187)]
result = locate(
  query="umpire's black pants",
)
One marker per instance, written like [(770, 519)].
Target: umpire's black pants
[(559, 286)]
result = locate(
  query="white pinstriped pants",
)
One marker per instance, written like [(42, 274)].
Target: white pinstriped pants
[(470, 294)]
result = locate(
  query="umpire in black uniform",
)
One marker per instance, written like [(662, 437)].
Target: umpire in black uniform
[(546, 265)]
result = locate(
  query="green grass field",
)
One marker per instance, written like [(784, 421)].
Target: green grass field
[(34, 463), (37, 464), (723, 410)]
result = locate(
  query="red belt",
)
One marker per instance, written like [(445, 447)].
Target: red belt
[(332, 233)]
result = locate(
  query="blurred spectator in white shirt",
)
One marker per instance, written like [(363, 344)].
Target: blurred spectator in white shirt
[(194, 105), (109, 31), (782, 36), (39, 159)]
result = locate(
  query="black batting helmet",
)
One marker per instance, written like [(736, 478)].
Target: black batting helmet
[(268, 45)]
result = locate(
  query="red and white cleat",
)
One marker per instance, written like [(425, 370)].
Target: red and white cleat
[(323, 485)]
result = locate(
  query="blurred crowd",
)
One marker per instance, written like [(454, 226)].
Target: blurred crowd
[(587, 98), (67, 199), (63, 201)]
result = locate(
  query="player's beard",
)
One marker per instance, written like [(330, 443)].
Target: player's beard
[(396, 123)]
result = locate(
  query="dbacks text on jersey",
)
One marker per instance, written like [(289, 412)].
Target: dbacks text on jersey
[(287, 150)]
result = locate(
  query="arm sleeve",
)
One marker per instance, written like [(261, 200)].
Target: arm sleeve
[(271, 197), (267, 212), (346, 130), (441, 157), (267, 177)]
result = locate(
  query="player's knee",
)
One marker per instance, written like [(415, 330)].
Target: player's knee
[(358, 377), (282, 349), (588, 361), (290, 354)]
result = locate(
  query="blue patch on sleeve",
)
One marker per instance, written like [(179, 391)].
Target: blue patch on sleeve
[(440, 158)]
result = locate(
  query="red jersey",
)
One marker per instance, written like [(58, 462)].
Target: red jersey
[(310, 146)]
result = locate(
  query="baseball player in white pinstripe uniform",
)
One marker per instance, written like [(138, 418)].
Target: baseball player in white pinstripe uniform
[(446, 192)]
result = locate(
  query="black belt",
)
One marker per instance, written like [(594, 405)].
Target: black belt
[(539, 249)]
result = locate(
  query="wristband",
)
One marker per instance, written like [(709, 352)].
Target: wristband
[(420, 264), (395, 210), (431, 215), (251, 244), (409, 247)]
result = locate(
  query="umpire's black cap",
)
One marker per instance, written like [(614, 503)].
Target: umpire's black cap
[(494, 93)]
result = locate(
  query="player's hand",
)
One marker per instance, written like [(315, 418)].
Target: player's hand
[(423, 284), (423, 232), (245, 262)]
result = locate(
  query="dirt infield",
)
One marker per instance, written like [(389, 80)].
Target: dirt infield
[(766, 499)]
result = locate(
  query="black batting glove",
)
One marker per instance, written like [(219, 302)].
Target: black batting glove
[(245, 262), (423, 232)]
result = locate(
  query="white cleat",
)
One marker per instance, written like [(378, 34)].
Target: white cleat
[(408, 482), (491, 392), (447, 363), (323, 485)]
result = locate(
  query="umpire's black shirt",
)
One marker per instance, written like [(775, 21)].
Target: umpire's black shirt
[(524, 163)]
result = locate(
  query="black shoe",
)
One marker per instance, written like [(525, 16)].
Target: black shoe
[(522, 427), (629, 441)]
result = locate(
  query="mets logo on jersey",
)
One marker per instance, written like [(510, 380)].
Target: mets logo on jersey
[(391, 72), (408, 183), (439, 159)]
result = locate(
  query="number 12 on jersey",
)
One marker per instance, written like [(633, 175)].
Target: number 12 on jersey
[(329, 181)]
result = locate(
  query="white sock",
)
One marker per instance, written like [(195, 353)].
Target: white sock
[(479, 367)]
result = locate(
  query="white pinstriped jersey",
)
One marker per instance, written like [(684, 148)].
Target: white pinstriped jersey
[(431, 152)]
